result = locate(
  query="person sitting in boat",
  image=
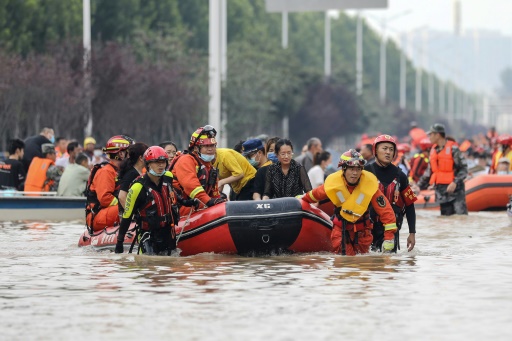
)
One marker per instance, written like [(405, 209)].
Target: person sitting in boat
[(75, 177), (503, 167), (353, 190), (131, 168), (153, 201), (395, 186), (504, 150), (287, 177), (102, 190), (170, 148), (43, 175), (447, 171), (12, 171), (194, 174), (235, 171), (419, 161), (270, 149), (254, 152), (317, 173)]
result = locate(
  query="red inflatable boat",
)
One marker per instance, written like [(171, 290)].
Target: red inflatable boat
[(483, 192), (285, 225)]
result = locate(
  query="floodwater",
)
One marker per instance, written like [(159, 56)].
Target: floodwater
[(455, 285)]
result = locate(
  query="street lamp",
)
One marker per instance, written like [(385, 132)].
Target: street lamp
[(383, 42)]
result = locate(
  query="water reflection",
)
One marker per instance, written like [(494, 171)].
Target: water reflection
[(49, 286)]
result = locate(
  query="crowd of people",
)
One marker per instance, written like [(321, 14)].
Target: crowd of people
[(373, 190)]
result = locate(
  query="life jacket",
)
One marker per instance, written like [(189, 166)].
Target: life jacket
[(352, 206), (497, 156), (441, 164), (92, 204), (419, 164), (392, 193), (207, 179), (36, 177), (161, 208)]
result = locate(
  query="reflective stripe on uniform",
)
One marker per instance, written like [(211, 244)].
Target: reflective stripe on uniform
[(310, 193), (388, 227), (196, 191)]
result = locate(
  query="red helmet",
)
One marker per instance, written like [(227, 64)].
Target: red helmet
[(117, 143), (155, 154), (351, 158), (203, 136), (425, 144), (504, 139), (383, 138), (403, 147)]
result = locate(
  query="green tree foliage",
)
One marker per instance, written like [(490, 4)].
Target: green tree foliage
[(150, 61)]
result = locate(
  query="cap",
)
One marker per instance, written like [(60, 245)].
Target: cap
[(251, 146), (89, 140), (47, 148), (504, 160), (437, 128)]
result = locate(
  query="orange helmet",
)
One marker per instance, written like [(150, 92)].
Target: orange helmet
[(351, 158), (203, 136), (117, 143), (155, 154), (425, 144), (383, 138)]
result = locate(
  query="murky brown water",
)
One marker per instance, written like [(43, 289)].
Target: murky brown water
[(456, 285)]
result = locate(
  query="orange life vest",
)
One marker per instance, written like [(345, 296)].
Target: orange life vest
[(419, 164), (441, 164), (36, 176)]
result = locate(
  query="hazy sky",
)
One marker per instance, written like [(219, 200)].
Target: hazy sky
[(438, 14)]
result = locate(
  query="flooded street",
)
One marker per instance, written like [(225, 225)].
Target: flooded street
[(455, 285)]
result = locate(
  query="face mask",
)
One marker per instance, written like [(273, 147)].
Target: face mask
[(152, 172), (207, 158), (52, 139), (98, 153), (253, 162), (272, 157)]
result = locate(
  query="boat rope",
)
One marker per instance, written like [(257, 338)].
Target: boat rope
[(184, 225)]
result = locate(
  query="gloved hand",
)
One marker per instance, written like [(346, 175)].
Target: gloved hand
[(215, 201), (192, 202), (120, 246), (388, 245)]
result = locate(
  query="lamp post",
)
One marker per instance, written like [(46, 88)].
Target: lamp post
[(383, 43), (86, 20)]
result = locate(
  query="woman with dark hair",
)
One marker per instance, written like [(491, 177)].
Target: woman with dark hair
[(286, 178), (317, 173), (170, 148), (130, 169)]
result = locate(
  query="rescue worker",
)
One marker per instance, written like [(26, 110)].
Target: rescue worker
[(152, 200), (353, 190), (102, 209), (419, 161), (504, 150), (43, 175), (395, 186), (447, 172), (194, 174)]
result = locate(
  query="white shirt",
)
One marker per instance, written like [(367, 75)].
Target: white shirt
[(316, 176)]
